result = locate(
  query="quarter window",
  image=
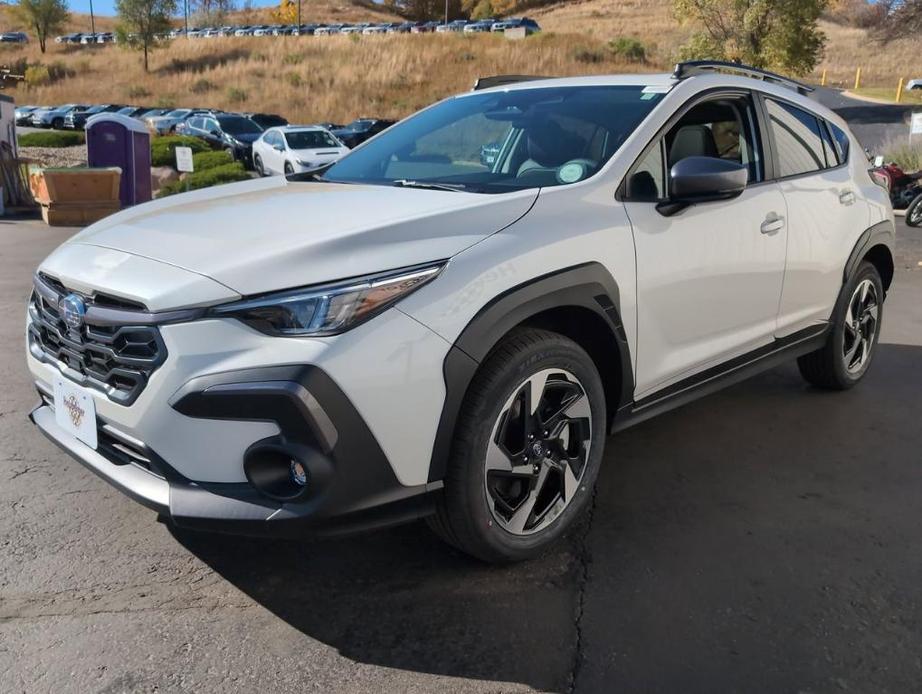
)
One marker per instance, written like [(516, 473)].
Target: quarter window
[(841, 142), (798, 139)]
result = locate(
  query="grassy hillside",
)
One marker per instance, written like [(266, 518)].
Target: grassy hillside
[(338, 78)]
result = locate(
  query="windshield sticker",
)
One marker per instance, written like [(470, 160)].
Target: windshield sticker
[(570, 173)]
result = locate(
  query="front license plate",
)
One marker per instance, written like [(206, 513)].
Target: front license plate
[(75, 411)]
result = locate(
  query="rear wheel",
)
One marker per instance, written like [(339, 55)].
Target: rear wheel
[(856, 321), (527, 449), (914, 212)]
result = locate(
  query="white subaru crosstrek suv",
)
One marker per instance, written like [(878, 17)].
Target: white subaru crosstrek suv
[(411, 333)]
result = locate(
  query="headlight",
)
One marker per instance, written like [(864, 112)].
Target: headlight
[(328, 309)]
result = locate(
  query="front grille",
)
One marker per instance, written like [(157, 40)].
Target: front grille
[(116, 360)]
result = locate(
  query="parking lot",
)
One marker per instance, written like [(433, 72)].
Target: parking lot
[(762, 540)]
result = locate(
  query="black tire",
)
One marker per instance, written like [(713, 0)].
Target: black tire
[(258, 165), (914, 212), (231, 153), (466, 517), (289, 169), (829, 367), (57, 124)]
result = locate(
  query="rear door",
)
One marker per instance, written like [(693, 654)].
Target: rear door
[(708, 278), (826, 212)]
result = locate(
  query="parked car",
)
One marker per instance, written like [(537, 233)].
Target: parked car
[(54, 117), (228, 131), (68, 38), (132, 111), (452, 27), (294, 149), (76, 119), (479, 27), (14, 37), (266, 120), (360, 130), (166, 123), (424, 28), (23, 114), (414, 334), (530, 25)]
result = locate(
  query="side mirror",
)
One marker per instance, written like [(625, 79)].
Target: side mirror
[(702, 179)]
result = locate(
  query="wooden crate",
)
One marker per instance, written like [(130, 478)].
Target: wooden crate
[(56, 186), (77, 214)]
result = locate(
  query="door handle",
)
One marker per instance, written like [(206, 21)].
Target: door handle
[(846, 197), (773, 223)]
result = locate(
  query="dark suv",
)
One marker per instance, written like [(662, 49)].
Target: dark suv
[(231, 132)]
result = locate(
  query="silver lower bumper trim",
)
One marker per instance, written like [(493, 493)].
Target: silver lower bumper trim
[(142, 486)]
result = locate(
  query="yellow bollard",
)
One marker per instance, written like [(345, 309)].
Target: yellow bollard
[(823, 78), (858, 78), (899, 91)]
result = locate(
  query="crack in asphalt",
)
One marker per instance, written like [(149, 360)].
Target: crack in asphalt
[(584, 557)]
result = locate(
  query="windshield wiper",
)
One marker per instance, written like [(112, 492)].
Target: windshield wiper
[(451, 187)]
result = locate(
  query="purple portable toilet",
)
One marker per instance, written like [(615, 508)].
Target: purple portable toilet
[(116, 140)]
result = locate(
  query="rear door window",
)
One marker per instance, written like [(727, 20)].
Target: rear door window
[(798, 139)]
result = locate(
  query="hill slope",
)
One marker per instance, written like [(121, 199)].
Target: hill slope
[(339, 78)]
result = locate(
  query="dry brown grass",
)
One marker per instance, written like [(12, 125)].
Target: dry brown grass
[(338, 78)]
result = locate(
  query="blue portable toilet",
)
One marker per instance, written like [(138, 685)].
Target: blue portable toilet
[(117, 140)]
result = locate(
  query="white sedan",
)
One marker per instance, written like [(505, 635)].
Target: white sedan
[(295, 148)]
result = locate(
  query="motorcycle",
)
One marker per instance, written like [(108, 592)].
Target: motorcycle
[(905, 190)]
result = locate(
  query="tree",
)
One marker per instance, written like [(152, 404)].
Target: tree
[(142, 22), (212, 12), (286, 12), (778, 34), (46, 17), (899, 19)]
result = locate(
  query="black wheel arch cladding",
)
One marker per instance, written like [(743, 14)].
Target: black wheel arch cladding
[(587, 290)]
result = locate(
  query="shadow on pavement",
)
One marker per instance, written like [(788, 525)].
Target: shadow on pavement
[(761, 539)]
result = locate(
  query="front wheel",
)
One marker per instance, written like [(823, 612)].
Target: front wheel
[(914, 212), (850, 347), (289, 169), (527, 449), (258, 165)]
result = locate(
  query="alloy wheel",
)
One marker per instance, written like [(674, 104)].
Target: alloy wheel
[(537, 452), (860, 326)]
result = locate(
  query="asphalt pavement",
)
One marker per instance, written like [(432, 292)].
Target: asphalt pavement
[(764, 539)]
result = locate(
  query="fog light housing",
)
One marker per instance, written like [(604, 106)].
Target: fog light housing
[(279, 471)]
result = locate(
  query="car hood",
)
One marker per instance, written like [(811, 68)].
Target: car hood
[(248, 138), (269, 234)]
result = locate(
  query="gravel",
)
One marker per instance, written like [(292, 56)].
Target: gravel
[(55, 157)]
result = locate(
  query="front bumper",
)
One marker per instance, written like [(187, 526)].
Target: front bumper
[(352, 486)]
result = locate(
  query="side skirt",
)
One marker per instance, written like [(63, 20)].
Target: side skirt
[(719, 377)]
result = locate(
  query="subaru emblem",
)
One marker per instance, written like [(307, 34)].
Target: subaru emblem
[(72, 311)]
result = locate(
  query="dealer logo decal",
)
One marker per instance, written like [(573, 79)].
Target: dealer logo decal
[(74, 411)]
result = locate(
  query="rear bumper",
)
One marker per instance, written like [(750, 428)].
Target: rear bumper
[(352, 486)]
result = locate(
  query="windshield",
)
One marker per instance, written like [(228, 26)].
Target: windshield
[(239, 126), (179, 113), (310, 139), (499, 142)]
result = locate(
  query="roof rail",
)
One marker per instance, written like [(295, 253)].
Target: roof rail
[(500, 80), (697, 67)]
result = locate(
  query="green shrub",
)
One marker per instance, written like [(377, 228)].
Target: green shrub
[(138, 92), (37, 76), (294, 79), (629, 48), (202, 86), (209, 160), (162, 149), (236, 95), (165, 101), (226, 173), (907, 157), (55, 138), (58, 70)]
